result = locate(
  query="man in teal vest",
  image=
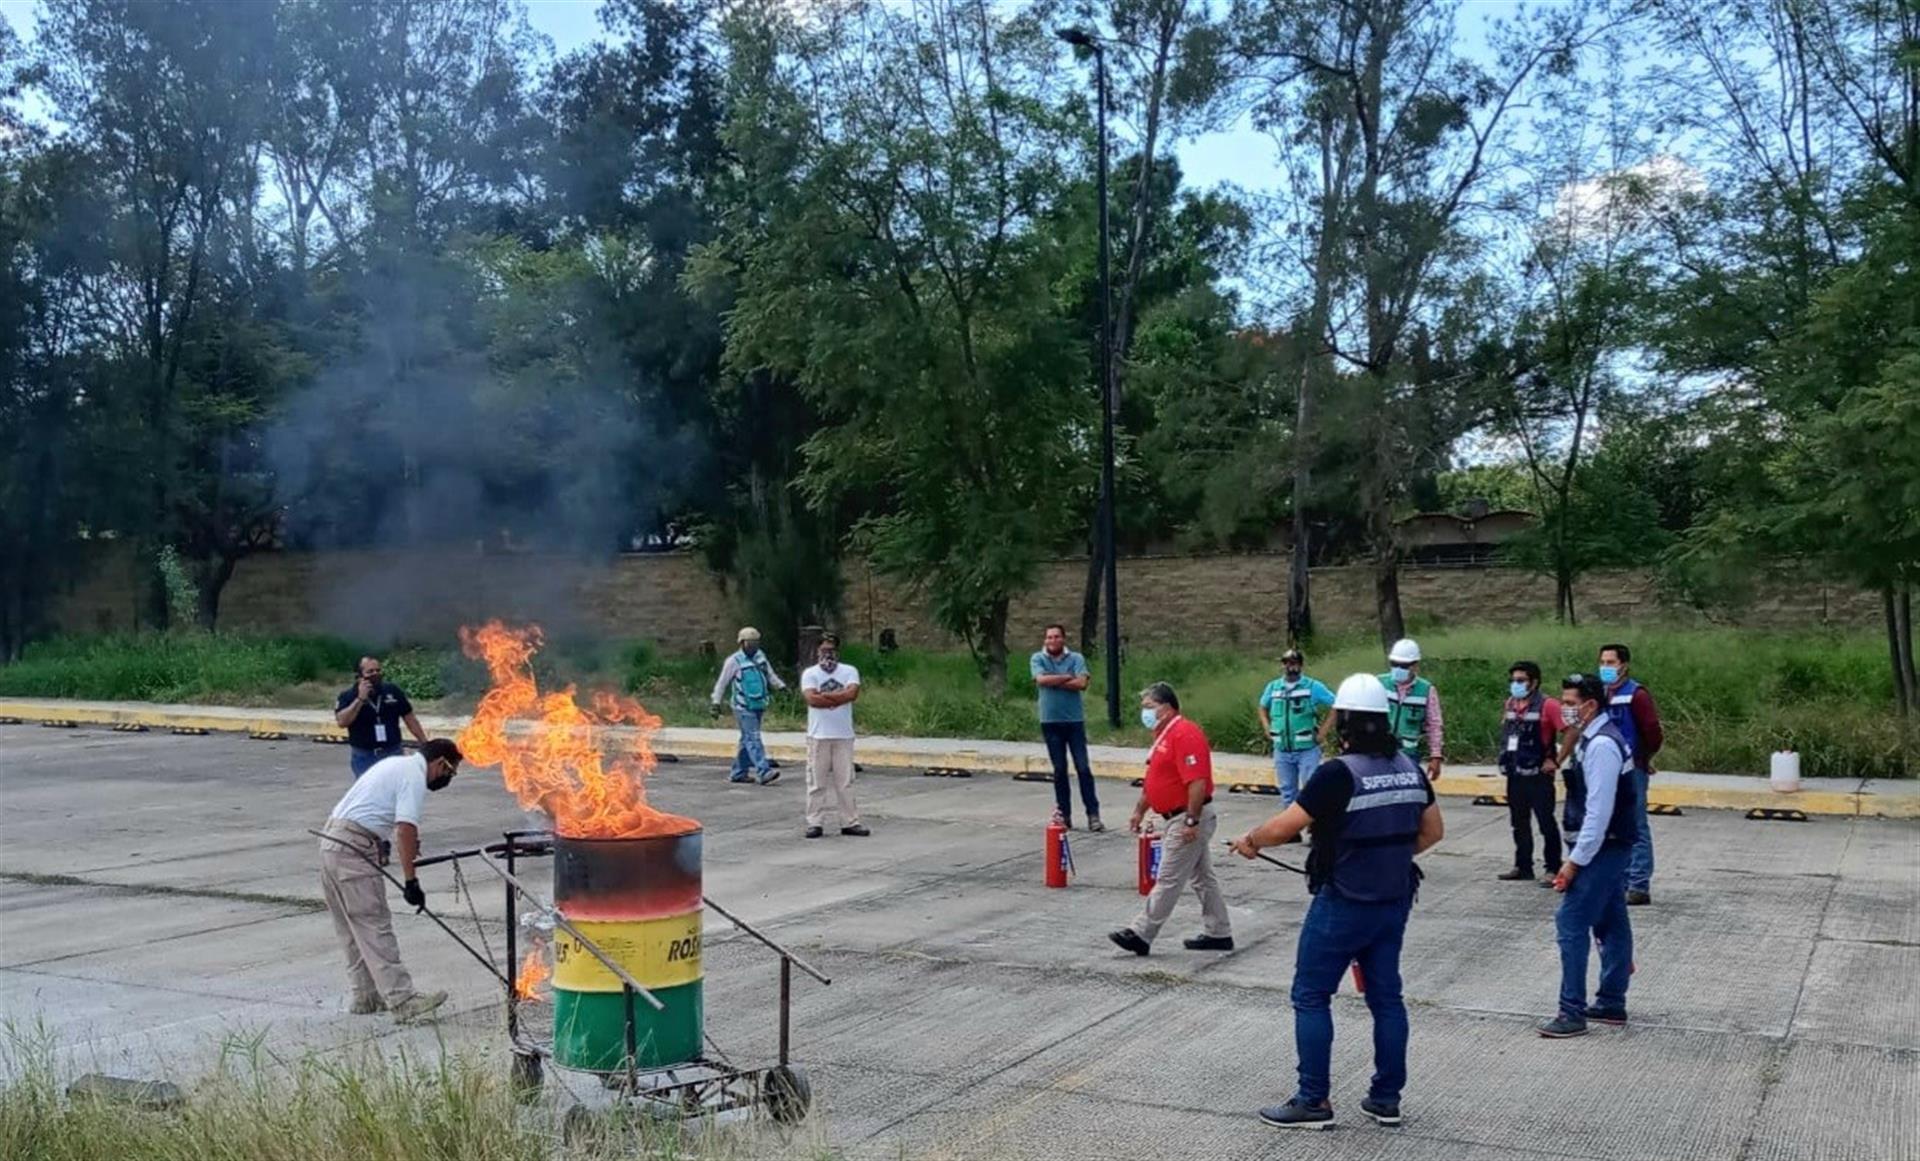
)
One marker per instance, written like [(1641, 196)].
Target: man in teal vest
[(1413, 705), (1291, 713), (747, 681)]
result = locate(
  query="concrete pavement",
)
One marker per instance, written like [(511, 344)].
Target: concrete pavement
[(158, 895), (1876, 797)]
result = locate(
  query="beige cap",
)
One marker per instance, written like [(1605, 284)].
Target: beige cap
[(749, 634)]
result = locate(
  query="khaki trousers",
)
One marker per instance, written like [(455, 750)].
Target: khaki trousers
[(1181, 863), (356, 895), (830, 770)]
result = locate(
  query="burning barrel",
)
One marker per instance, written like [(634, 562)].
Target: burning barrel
[(638, 900)]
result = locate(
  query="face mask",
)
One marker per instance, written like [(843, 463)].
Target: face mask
[(750, 649), (1401, 674), (1517, 688), (1293, 674), (1609, 674), (828, 663), (1150, 718)]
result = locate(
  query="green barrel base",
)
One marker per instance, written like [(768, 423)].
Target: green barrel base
[(590, 1028)]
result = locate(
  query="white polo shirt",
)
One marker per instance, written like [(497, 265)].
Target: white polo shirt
[(392, 790)]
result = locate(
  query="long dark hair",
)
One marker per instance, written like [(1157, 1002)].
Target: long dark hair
[(1365, 733)]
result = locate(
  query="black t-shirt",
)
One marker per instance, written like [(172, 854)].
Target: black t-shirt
[(1325, 797), (386, 706)]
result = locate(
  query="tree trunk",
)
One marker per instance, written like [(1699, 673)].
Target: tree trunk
[(212, 581), (1090, 596), (1899, 649), (993, 643), (1386, 593)]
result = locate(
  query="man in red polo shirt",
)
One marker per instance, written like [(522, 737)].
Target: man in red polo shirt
[(1179, 788)]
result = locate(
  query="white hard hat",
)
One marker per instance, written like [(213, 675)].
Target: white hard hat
[(1405, 651), (1362, 692), (749, 634)]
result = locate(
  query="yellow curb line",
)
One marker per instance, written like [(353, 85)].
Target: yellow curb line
[(1733, 797)]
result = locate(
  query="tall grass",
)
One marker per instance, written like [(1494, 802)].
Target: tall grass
[(1728, 696), (327, 1108)]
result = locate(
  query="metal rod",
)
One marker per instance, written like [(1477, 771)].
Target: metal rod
[(513, 950), (375, 864), (744, 926), (565, 925), (633, 1044), (1274, 861), (786, 1001)]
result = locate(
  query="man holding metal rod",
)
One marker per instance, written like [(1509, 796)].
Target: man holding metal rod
[(383, 805), (1372, 810)]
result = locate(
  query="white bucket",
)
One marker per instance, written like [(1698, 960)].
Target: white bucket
[(1785, 776)]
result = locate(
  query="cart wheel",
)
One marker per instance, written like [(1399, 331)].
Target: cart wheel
[(526, 1075), (787, 1094)]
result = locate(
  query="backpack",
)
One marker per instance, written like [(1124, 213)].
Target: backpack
[(752, 684)]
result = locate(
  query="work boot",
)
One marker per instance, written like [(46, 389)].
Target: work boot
[(366, 1005), (1638, 898), (1094, 824), (740, 776), (418, 1007), (1547, 882), (1208, 943), (1296, 1115), (1515, 876), (814, 832), (856, 830), (1385, 1112), (1612, 1017), (770, 777), (1130, 940), (1563, 1027)]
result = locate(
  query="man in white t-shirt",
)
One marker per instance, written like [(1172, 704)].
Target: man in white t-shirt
[(383, 806), (831, 688)]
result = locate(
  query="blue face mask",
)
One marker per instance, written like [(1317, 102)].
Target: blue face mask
[(1149, 718), (1609, 674), (1517, 688), (1401, 674)]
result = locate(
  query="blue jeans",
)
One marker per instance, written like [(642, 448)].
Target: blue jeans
[(362, 760), (1062, 738), (1338, 932), (1640, 865), (752, 752), (1290, 769), (1594, 910)]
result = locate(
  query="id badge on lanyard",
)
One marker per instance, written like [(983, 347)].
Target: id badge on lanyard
[(379, 727), (1513, 743)]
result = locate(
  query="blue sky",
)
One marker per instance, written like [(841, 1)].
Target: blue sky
[(1240, 155)]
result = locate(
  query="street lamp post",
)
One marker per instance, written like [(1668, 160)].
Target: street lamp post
[(1105, 536)]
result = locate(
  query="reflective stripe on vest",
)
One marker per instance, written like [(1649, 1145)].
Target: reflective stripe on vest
[(1622, 824), (1373, 853), (1298, 699), (1521, 749)]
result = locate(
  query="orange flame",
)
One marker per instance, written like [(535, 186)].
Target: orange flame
[(556, 756), (533, 972)]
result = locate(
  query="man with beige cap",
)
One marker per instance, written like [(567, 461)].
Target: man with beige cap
[(747, 681)]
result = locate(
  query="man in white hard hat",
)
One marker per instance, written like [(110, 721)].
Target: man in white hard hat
[(1413, 705), (1372, 811), (747, 681)]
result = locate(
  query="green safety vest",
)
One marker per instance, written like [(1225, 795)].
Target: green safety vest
[(1295, 718), (1408, 717)]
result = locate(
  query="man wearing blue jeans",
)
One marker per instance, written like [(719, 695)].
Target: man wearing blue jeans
[(372, 711), (747, 681), (1372, 810), (1631, 709), (1290, 716), (1602, 805), (1060, 674)]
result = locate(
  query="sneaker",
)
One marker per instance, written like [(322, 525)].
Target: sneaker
[(1208, 943), (1611, 1017), (365, 1005), (740, 776), (1294, 1115), (1638, 898), (1094, 824), (1515, 876), (1129, 939), (770, 777), (418, 1007), (1385, 1112), (856, 830), (814, 832), (1563, 1027)]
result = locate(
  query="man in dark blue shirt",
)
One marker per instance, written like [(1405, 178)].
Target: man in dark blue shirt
[(372, 710)]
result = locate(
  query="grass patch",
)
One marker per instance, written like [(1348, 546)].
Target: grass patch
[(254, 1107), (1729, 696)]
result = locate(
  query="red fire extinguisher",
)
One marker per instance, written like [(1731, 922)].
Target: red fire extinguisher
[(1149, 860), (1059, 853)]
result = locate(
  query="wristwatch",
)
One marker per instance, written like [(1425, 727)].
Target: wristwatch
[(1192, 821)]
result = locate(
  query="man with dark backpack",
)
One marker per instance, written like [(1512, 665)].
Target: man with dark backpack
[(747, 680)]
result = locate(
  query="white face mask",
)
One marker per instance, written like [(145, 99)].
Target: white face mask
[(1149, 717)]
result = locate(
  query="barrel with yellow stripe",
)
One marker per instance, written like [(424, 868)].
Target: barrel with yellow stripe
[(638, 901)]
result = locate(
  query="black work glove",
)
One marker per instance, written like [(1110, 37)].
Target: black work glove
[(414, 896), (715, 707)]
